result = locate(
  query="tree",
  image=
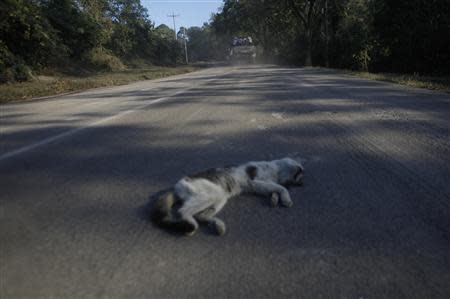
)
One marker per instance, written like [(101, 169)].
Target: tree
[(26, 38), (353, 39), (200, 44), (131, 28), (413, 35), (167, 50), (78, 30), (309, 15)]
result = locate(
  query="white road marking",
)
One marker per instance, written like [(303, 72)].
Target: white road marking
[(262, 127), (278, 115), (74, 131), (48, 140), (72, 118)]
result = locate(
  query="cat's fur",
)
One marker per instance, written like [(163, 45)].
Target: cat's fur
[(201, 196)]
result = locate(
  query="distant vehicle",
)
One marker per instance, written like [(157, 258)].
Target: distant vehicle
[(242, 50)]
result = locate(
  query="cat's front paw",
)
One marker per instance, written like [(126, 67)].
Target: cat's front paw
[(190, 233), (219, 227), (286, 202), (274, 199)]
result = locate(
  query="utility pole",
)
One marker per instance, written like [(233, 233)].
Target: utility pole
[(185, 45), (327, 63), (173, 16)]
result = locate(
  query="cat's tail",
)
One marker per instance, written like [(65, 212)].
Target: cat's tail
[(162, 214)]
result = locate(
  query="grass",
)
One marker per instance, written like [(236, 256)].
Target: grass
[(428, 82), (59, 83)]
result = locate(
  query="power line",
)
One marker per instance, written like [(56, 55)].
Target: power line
[(173, 16)]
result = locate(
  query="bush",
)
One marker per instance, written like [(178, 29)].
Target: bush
[(21, 72), (26, 33), (103, 59), (6, 60), (11, 68)]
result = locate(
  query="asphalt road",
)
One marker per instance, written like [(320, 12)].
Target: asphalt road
[(372, 221)]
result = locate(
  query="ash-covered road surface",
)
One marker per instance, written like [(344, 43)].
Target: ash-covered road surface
[(372, 221)]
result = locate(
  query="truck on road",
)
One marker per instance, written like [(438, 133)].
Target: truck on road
[(242, 50)]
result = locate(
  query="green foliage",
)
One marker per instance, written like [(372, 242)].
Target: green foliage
[(26, 35), (371, 35), (6, 61), (377, 35), (98, 11), (77, 30), (21, 72), (414, 35), (167, 50), (103, 59), (132, 31), (201, 43), (352, 41), (60, 83), (91, 33)]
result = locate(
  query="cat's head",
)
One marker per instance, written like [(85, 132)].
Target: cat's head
[(290, 172)]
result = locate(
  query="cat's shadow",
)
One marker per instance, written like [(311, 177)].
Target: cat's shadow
[(144, 213)]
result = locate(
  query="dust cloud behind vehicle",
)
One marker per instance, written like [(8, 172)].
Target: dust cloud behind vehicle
[(242, 50)]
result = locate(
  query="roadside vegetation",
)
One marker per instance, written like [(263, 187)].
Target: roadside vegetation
[(439, 83), (374, 38), (55, 46), (66, 35), (402, 36), (402, 41), (45, 85)]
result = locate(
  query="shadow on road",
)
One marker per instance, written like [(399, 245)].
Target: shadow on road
[(366, 208)]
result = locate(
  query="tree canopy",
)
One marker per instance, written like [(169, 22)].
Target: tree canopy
[(409, 36), (376, 35), (96, 33)]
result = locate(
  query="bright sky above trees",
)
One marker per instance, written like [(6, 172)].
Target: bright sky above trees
[(192, 12)]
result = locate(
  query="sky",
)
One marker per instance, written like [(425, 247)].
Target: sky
[(191, 12)]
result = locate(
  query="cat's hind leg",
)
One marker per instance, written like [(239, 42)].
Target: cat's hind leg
[(190, 208), (209, 217)]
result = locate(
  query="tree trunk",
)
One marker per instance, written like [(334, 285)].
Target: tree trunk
[(308, 57)]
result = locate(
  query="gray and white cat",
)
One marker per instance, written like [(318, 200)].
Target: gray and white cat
[(201, 196)]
